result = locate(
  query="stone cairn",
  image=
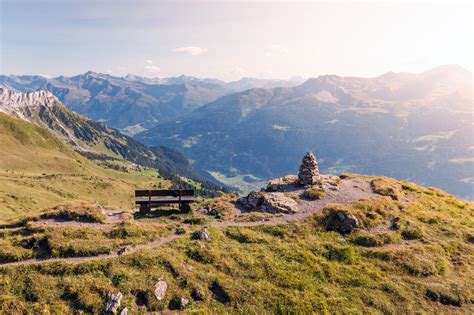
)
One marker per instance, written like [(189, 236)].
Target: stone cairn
[(309, 172)]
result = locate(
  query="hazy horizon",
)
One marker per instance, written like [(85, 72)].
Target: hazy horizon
[(228, 41), (295, 78)]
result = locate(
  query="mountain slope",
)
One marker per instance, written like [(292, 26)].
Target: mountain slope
[(411, 252), (38, 170), (40, 137), (412, 126)]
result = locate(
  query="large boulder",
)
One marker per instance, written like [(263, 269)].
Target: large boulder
[(278, 203), (113, 302), (252, 201)]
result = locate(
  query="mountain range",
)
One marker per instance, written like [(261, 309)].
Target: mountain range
[(132, 103), (65, 132), (411, 126)]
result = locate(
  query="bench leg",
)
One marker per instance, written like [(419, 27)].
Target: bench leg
[(144, 209), (185, 207)]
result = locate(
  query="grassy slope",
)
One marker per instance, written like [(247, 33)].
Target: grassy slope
[(425, 265), (37, 171)]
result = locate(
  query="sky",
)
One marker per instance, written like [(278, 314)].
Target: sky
[(229, 40)]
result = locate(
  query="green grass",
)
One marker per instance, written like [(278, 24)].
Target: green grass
[(38, 171), (314, 193), (288, 268)]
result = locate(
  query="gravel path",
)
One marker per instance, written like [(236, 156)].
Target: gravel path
[(349, 190)]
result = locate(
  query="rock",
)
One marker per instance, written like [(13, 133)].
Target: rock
[(197, 295), (394, 223), (282, 184), (124, 311), (252, 201), (180, 231), (308, 174), (202, 235), (184, 302), (278, 203), (341, 221), (122, 251), (113, 302), (160, 289)]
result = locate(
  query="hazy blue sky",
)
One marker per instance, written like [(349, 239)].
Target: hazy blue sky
[(230, 40)]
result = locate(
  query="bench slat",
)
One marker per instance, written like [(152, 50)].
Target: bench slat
[(139, 201), (164, 192)]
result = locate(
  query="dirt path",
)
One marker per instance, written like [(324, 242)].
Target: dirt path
[(349, 190), (112, 217)]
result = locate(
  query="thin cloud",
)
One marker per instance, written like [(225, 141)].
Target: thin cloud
[(190, 50), (151, 68)]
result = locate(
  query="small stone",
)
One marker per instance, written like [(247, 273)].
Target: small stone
[(184, 302), (122, 251), (197, 295), (160, 289), (180, 231), (124, 311), (113, 302), (203, 235)]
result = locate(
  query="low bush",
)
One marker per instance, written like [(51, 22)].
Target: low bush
[(385, 187), (411, 232), (366, 239), (314, 193), (13, 252)]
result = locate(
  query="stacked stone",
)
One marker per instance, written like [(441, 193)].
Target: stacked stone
[(309, 172)]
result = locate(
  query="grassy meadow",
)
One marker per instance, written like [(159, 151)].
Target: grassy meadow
[(414, 254)]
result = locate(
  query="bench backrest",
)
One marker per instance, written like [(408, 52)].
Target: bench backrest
[(164, 193)]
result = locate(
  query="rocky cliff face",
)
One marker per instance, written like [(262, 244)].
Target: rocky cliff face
[(18, 104)]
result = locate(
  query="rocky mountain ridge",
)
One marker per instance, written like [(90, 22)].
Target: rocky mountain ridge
[(11, 102), (132, 103)]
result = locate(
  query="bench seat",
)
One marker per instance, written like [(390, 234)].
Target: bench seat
[(154, 198), (146, 200)]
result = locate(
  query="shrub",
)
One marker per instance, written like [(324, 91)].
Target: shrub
[(411, 232), (314, 193), (385, 187), (366, 239), (11, 253)]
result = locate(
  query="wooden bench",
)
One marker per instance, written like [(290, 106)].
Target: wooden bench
[(148, 199)]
